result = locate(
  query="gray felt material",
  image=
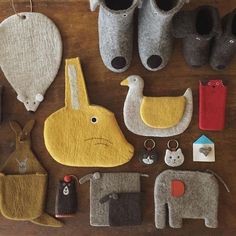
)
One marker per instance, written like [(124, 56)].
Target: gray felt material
[(115, 26), (224, 47), (30, 55), (101, 185), (154, 32), (197, 28), (133, 119), (199, 201)]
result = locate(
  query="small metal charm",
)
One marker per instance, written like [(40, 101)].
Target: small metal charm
[(174, 156), (149, 155)]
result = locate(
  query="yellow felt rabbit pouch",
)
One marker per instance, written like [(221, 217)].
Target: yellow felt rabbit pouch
[(81, 134), (23, 182)]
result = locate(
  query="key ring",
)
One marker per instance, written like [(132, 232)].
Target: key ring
[(173, 141), (150, 141)]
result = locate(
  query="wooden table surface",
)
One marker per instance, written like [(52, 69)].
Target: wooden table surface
[(78, 27)]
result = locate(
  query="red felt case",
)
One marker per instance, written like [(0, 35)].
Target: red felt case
[(212, 105)]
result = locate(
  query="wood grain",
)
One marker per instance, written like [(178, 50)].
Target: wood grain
[(78, 27)]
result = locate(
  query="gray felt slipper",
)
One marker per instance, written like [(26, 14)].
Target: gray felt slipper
[(155, 39), (197, 28), (115, 26), (224, 47)]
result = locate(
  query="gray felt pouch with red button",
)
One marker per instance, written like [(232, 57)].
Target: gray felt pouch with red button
[(124, 208), (186, 194)]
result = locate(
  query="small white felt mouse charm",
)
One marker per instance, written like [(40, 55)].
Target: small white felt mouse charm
[(174, 156)]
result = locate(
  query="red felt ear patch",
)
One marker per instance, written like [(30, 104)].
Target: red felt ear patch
[(177, 188)]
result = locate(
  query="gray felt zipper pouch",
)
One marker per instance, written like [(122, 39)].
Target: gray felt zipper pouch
[(103, 184), (186, 195)]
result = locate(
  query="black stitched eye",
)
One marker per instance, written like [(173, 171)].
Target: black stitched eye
[(170, 157), (94, 120), (178, 157)]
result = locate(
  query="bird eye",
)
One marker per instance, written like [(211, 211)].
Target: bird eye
[(134, 80), (178, 157), (94, 120), (170, 157)]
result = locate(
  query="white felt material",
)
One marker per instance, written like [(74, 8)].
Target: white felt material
[(132, 117), (30, 55), (94, 4), (73, 87)]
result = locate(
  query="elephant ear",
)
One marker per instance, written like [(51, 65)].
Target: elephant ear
[(177, 188)]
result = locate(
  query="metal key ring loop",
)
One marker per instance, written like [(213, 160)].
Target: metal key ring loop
[(173, 141), (150, 141)]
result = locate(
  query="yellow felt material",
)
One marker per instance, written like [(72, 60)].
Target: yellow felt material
[(20, 198), (23, 195), (72, 138), (162, 112)]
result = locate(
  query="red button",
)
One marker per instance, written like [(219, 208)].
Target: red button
[(67, 178)]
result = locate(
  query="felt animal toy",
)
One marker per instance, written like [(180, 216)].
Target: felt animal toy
[(187, 194), (155, 116), (81, 134), (115, 26), (102, 187), (154, 31), (197, 28), (23, 182), (224, 47), (30, 55), (66, 199)]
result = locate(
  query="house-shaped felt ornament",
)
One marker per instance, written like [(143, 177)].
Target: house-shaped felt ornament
[(203, 150)]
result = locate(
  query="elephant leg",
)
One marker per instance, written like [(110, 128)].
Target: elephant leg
[(175, 219), (160, 216), (211, 222)]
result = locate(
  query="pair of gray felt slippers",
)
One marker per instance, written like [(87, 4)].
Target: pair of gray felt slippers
[(206, 38), (116, 24)]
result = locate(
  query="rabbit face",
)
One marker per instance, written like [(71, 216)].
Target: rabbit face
[(174, 158), (94, 135)]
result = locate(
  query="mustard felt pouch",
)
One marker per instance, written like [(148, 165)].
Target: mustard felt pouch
[(23, 182), (81, 134), (20, 198), (162, 112)]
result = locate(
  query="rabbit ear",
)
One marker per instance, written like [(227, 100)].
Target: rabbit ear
[(29, 126), (15, 127)]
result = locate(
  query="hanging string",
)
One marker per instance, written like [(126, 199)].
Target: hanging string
[(15, 11)]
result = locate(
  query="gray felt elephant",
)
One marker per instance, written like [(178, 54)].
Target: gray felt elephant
[(186, 194)]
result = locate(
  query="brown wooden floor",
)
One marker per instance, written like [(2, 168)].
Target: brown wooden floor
[(78, 27)]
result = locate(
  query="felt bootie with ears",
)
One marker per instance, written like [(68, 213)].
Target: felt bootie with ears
[(197, 28), (224, 47), (154, 37), (115, 26)]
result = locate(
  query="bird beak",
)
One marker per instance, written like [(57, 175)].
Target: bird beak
[(124, 82)]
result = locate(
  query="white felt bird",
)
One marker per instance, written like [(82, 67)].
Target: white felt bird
[(155, 116)]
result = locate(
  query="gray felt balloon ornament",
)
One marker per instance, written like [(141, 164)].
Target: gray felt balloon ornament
[(30, 55)]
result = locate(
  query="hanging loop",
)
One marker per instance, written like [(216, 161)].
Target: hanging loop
[(15, 11)]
